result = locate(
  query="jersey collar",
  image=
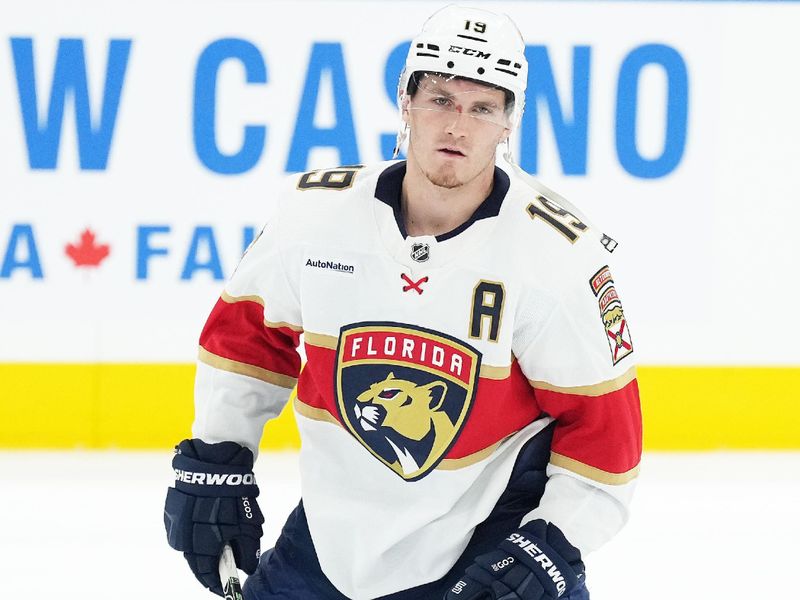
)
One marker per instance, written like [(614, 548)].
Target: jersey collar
[(441, 248), (389, 187)]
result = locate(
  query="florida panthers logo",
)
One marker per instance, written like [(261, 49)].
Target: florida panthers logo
[(404, 392)]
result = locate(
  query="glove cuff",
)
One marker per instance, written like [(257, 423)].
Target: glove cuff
[(199, 478), (551, 563)]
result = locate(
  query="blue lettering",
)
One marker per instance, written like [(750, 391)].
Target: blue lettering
[(144, 250), (391, 77), (21, 238), (571, 135), (69, 79), (205, 107), (677, 111), (203, 238), (326, 57), (248, 235)]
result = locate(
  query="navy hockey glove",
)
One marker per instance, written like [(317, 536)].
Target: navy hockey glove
[(536, 562), (213, 503)]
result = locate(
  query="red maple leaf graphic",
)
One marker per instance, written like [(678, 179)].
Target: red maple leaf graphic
[(87, 253)]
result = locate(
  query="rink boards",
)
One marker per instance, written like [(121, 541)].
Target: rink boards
[(139, 157), (150, 406)]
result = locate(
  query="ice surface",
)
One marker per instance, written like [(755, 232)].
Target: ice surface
[(88, 526)]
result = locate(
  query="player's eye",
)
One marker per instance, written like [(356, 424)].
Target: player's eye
[(441, 101), (483, 110)]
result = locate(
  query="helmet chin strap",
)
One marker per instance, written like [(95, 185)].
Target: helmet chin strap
[(508, 155), (402, 134)]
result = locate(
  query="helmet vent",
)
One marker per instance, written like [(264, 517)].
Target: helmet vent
[(471, 37), (507, 63), (433, 47)]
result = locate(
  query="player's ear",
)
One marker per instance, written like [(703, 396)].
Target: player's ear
[(504, 136), (404, 100)]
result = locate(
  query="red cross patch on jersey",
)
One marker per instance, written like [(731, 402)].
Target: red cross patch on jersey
[(404, 392), (618, 334)]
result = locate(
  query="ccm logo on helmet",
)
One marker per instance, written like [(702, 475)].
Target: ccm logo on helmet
[(215, 478), (470, 52)]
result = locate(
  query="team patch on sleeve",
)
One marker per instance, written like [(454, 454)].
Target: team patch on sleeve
[(599, 279), (618, 334)]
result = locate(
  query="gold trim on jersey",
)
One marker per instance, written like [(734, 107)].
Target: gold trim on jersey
[(313, 413), (321, 340), (228, 299), (593, 473), (597, 389), (240, 368), (282, 324), (452, 464), (490, 372)]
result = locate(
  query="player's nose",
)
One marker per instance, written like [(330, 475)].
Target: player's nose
[(457, 124)]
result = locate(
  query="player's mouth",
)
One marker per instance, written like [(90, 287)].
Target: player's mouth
[(452, 152)]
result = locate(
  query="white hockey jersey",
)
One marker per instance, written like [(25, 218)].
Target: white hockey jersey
[(430, 362)]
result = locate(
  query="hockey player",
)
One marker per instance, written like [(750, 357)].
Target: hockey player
[(469, 411)]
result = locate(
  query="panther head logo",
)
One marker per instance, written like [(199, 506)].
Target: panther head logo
[(404, 413), (612, 316), (404, 392)]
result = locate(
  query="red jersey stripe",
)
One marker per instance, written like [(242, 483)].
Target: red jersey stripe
[(232, 366), (603, 432), (500, 408), (237, 332)]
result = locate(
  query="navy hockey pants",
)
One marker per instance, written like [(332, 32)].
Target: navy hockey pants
[(291, 571)]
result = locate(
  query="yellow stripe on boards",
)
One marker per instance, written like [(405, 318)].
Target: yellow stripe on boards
[(704, 408), (150, 406), (136, 406)]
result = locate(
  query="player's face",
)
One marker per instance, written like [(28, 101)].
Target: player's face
[(455, 127)]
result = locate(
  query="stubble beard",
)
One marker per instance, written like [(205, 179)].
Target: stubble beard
[(447, 178)]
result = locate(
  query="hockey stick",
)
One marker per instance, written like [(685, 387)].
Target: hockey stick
[(229, 575)]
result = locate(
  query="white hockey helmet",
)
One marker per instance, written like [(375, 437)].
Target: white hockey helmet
[(472, 43)]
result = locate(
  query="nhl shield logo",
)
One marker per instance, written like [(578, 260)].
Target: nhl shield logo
[(404, 392), (420, 252)]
